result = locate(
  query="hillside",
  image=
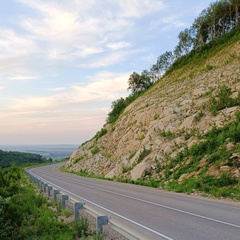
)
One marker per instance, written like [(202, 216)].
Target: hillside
[(9, 158), (172, 135)]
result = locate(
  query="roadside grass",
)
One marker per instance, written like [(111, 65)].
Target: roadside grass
[(26, 214)]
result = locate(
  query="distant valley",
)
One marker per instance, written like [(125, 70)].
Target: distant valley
[(55, 151)]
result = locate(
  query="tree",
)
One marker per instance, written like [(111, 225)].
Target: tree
[(138, 83), (185, 40), (199, 29), (164, 61), (236, 4)]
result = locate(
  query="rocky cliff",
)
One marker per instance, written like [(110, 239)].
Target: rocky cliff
[(171, 116)]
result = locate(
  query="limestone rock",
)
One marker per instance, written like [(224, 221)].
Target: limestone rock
[(182, 177), (229, 146), (236, 173), (115, 172), (140, 170), (167, 150), (225, 169), (235, 156), (188, 122)]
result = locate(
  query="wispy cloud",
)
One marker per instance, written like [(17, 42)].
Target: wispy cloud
[(14, 44), (102, 87), (23, 78), (104, 61), (118, 45), (132, 8)]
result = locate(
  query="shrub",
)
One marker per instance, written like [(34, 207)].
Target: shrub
[(167, 134), (80, 227), (100, 133), (143, 154), (222, 100), (95, 150), (119, 106)]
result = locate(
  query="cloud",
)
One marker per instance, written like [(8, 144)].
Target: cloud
[(15, 44), (34, 104), (2, 87), (132, 8), (106, 60), (78, 30), (118, 45), (102, 86), (23, 77)]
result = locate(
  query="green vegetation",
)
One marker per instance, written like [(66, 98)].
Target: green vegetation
[(119, 106), (78, 159), (143, 154), (202, 53), (24, 214), (222, 100), (10, 158), (132, 155), (95, 150), (100, 133), (214, 148), (213, 145), (167, 134)]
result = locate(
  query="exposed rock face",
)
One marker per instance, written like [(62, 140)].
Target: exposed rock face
[(163, 121), (140, 170)]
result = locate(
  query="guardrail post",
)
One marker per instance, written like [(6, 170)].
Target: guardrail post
[(77, 206), (49, 190), (45, 187), (101, 220), (64, 198), (55, 192), (41, 184)]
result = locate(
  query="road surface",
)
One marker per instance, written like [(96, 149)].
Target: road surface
[(154, 213)]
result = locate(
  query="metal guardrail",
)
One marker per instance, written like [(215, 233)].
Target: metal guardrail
[(101, 220)]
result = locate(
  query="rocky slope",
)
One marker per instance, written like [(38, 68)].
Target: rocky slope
[(170, 117)]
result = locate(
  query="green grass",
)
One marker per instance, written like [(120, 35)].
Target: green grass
[(213, 147), (199, 55), (222, 100), (24, 214)]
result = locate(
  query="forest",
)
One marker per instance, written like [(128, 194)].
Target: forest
[(9, 158)]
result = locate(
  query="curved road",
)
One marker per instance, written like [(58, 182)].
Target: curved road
[(151, 212)]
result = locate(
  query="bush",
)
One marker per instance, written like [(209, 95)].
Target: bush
[(26, 215), (119, 106), (223, 100), (100, 133), (143, 154), (95, 150)]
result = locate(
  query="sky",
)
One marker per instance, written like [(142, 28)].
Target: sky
[(63, 62)]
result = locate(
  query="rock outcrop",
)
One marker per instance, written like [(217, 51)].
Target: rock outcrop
[(168, 117)]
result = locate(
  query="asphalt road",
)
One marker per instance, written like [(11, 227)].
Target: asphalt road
[(153, 212)]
